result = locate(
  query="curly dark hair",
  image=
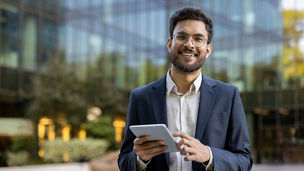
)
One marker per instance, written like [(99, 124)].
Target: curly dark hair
[(191, 13)]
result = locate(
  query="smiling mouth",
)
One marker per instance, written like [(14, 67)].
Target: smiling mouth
[(187, 54)]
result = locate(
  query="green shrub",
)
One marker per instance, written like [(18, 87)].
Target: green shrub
[(19, 144), (17, 158), (53, 150), (77, 149), (102, 128)]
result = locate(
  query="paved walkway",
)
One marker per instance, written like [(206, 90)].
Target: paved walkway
[(85, 167), (296, 167), (51, 167)]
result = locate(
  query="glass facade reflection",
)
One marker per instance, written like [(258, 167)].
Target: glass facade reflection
[(258, 46)]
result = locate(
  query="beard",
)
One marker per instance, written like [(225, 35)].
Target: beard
[(185, 67)]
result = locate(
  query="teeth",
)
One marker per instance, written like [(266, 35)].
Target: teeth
[(188, 54)]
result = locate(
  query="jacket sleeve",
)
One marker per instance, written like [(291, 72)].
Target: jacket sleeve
[(127, 157), (236, 154)]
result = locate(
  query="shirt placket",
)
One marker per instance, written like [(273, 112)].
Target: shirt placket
[(181, 126), (184, 125)]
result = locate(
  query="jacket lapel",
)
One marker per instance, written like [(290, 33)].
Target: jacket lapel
[(207, 99), (158, 101)]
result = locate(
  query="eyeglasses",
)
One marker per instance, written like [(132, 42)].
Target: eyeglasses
[(197, 40)]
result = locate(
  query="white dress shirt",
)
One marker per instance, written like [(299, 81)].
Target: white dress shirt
[(182, 110)]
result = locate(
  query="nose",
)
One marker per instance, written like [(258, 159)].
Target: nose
[(189, 43)]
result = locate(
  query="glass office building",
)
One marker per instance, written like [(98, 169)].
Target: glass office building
[(258, 46)]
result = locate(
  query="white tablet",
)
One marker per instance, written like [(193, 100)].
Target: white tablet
[(156, 132)]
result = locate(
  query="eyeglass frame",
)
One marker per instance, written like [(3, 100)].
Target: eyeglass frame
[(188, 36)]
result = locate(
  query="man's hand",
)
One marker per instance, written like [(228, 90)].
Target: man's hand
[(197, 151), (146, 149)]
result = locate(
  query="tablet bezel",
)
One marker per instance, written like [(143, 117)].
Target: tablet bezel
[(156, 132)]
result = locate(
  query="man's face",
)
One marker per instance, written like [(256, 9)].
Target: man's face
[(186, 56)]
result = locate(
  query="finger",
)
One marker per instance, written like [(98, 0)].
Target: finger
[(147, 145), (141, 140), (188, 150), (183, 151), (189, 143), (185, 142), (180, 144), (149, 153), (190, 158), (182, 135), (158, 150)]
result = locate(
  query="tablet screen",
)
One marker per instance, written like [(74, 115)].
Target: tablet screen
[(156, 132)]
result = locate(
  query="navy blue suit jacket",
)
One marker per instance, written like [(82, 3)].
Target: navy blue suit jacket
[(221, 125)]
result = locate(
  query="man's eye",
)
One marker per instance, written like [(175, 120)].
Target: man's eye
[(199, 39), (181, 37)]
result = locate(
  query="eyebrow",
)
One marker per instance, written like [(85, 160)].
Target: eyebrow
[(198, 34)]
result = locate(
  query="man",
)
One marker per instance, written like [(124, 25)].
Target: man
[(207, 115)]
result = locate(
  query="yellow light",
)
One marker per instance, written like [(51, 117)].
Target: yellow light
[(119, 123), (41, 131), (66, 156), (118, 134), (42, 128), (261, 111), (82, 134), (40, 153), (66, 133), (45, 121), (51, 133), (119, 127), (283, 111)]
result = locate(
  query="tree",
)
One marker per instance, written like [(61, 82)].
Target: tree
[(293, 60), (58, 93), (103, 93)]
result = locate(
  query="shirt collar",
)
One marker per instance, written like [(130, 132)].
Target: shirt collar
[(169, 82), (196, 85)]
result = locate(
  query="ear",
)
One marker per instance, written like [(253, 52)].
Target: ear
[(208, 50), (169, 44)]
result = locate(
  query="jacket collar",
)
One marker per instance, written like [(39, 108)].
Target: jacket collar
[(207, 97)]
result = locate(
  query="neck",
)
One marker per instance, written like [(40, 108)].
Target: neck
[(183, 80)]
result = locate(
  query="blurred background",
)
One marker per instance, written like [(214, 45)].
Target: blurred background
[(67, 68)]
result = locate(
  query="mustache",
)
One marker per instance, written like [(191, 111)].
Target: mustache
[(185, 50)]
